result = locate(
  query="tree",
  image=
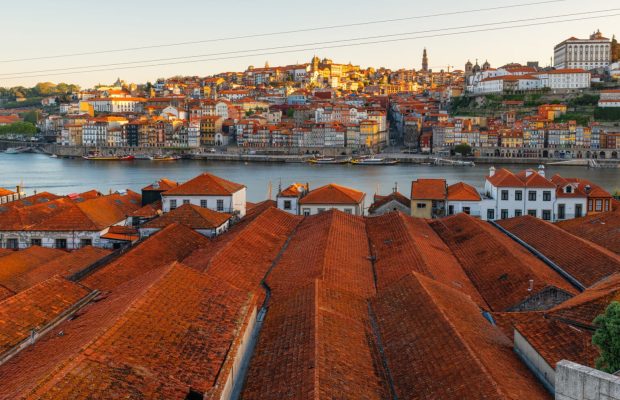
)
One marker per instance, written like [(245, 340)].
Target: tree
[(615, 49), (607, 338), (463, 149), (31, 116)]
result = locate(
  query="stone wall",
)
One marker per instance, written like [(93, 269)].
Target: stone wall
[(577, 382)]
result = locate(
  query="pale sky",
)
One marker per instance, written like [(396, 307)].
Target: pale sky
[(37, 28)]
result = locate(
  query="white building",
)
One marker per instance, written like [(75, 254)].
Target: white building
[(288, 199), (565, 79), (609, 98), (207, 191), (332, 197), (588, 54), (463, 198)]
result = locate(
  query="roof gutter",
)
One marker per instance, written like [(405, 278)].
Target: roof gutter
[(571, 279)]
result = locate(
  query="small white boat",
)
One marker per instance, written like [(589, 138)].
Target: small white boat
[(374, 161)]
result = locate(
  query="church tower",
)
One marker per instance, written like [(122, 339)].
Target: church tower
[(424, 61)]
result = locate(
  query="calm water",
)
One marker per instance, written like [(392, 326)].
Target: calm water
[(62, 176)]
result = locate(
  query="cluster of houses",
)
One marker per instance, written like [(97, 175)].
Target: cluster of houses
[(210, 205)]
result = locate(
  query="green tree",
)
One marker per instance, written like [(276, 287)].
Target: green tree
[(463, 149), (23, 128), (615, 49), (31, 116), (607, 338)]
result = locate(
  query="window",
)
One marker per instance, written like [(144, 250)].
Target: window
[(320, 210), (569, 189), (220, 205), (546, 215), (466, 210), (518, 213), (546, 195), (185, 201), (203, 203), (35, 242), (599, 205), (306, 211), (490, 214), (348, 211), (504, 194), (531, 195), (86, 242), (531, 213), (420, 205), (578, 210), (450, 210), (504, 214), (173, 204), (61, 243), (561, 211), (12, 243), (287, 204), (518, 195)]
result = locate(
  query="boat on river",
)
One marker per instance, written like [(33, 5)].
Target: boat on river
[(164, 158), (374, 161), (95, 157), (328, 160)]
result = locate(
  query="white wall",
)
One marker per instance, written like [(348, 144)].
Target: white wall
[(235, 202), (314, 209)]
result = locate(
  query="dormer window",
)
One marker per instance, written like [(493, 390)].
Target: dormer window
[(569, 189)]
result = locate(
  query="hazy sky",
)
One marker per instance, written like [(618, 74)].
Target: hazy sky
[(43, 28)]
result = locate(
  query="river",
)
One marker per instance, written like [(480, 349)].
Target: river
[(62, 176)]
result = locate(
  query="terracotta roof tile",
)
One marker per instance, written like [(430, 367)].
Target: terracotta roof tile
[(176, 337), (505, 178), (162, 185), (294, 190), (602, 229), (5, 292), (333, 194), (428, 189), (150, 210), (380, 201), (586, 261), (205, 184), (444, 324), (192, 216), (462, 192), (19, 263), (320, 338), (172, 243), (499, 268), (332, 246), (34, 308)]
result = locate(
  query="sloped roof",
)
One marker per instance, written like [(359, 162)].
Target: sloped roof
[(444, 324), (315, 344), (39, 267), (294, 190), (505, 178), (403, 244), (499, 267), (462, 192), (601, 229), (187, 320), (533, 179), (585, 261), (36, 307), (380, 201), (205, 184), (428, 189), (150, 210), (333, 194), (161, 185), (173, 243), (192, 216), (332, 246), (5, 192)]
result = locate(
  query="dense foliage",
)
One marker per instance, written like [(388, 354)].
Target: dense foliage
[(42, 89), (20, 128), (607, 338)]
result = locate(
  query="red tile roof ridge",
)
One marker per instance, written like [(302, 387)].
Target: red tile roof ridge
[(190, 215), (198, 186), (333, 193)]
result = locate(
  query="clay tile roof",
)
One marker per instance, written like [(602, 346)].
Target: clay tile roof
[(505, 178), (58, 263), (380, 201), (122, 233), (294, 190), (5, 192), (318, 336), (180, 335), (428, 189), (36, 307), (499, 267), (38, 198), (332, 246), (602, 229), (192, 216), (534, 179), (583, 308), (243, 255), (207, 185), (463, 192), (403, 244), (587, 262), (162, 185), (5, 292), (333, 194), (172, 243), (18, 263), (150, 210), (445, 324)]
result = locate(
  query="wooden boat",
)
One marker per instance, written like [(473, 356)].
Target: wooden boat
[(108, 158), (374, 161), (164, 158), (329, 160)]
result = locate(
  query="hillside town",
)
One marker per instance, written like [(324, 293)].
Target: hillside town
[(187, 290), (518, 110)]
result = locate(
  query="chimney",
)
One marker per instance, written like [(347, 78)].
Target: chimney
[(491, 171), (541, 170), (18, 189)]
